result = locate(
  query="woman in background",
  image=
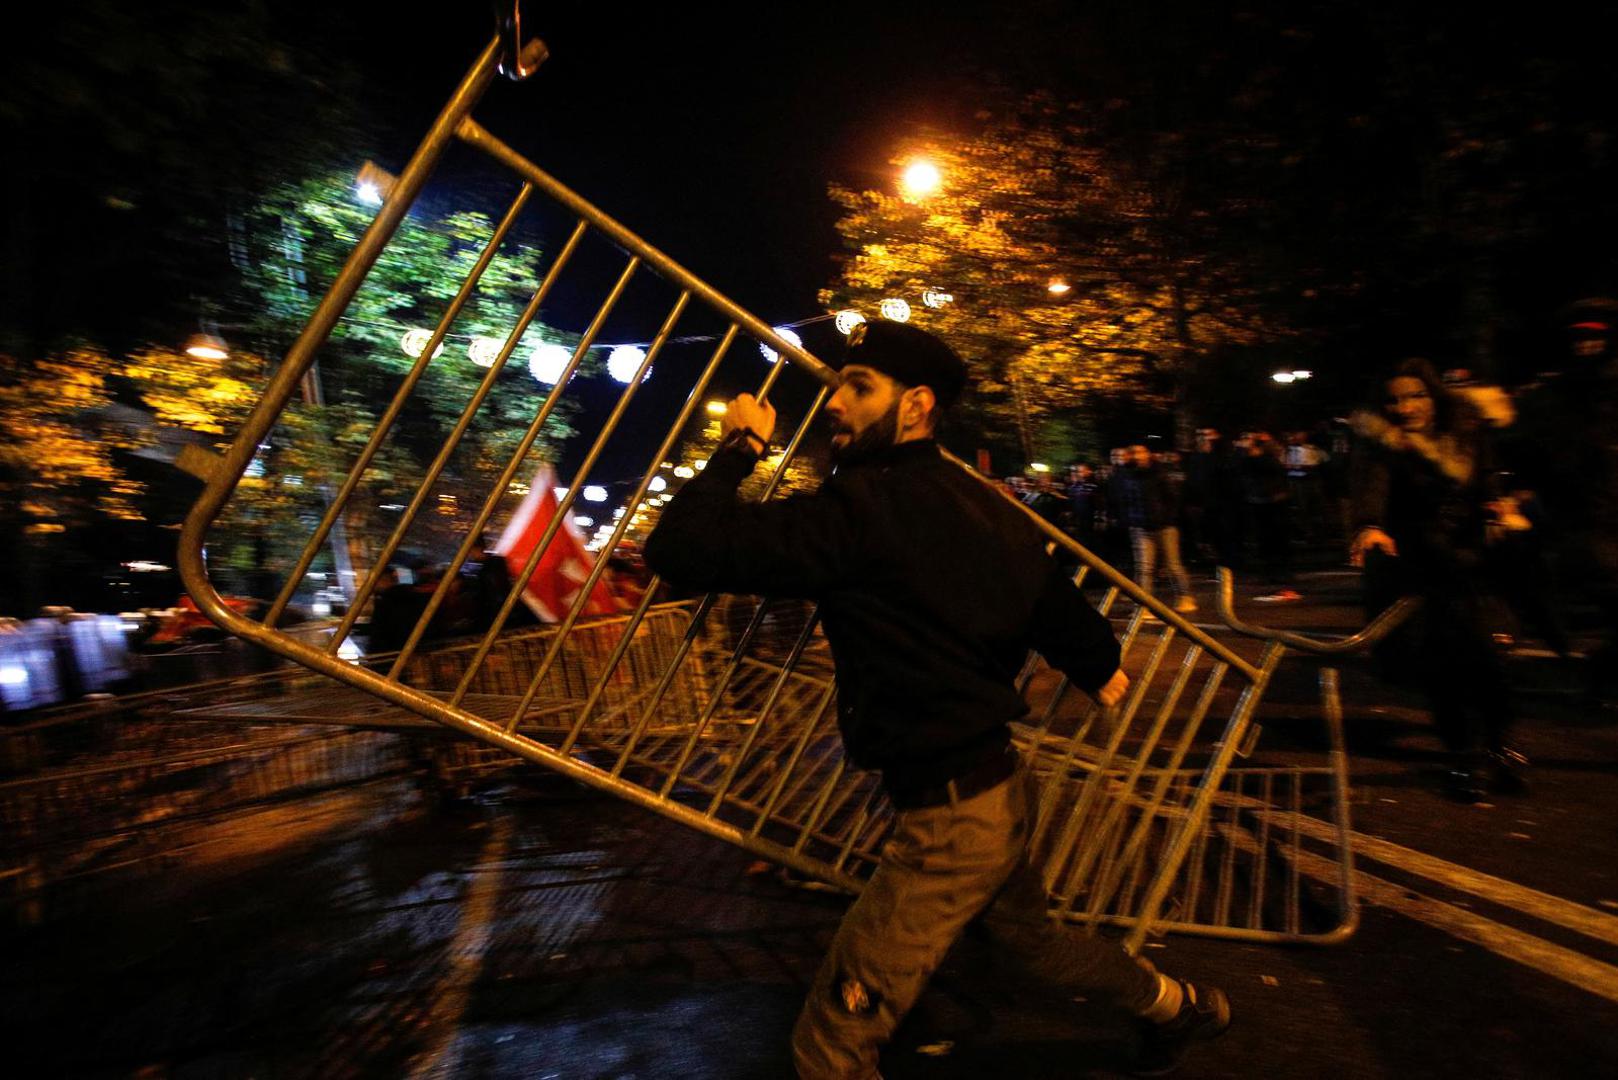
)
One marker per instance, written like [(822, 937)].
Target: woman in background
[(1421, 504)]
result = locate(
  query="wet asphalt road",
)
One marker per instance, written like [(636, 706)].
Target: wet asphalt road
[(545, 930)]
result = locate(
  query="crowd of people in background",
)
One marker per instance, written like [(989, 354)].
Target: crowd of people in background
[(1493, 506), (1243, 503)]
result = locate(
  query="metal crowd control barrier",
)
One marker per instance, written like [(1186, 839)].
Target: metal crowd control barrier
[(132, 785), (1265, 835), (738, 738)]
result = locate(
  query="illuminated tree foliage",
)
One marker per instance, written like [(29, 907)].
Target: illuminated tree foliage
[(79, 423), (300, 236), (58, 463), (1153, 282)]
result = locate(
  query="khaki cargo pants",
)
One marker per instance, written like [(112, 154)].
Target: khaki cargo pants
[(943, 867)]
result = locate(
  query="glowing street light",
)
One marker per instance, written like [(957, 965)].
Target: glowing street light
[(657, 484), (207, 347), (787, 334), (595, 493), (920, 179), (373, 184), (895, 310), (1303, 375), (624, 361), (1040, 467), (936, 298), (716, 407), (484, 351), (547, 362), (1058, 287), (416, 340), (1284, 377), (685, 472), (846, 321)]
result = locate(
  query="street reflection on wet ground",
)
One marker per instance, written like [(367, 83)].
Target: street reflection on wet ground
[(537, 930), (542, 929)]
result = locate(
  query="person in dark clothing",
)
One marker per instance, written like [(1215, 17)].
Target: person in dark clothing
[(490, 584), (1421, 480), (932, 587), (1147, 505), (399, 607), (1519, 567), (1564, 448), (1201, 508), (1085, 504), (1269, 509)]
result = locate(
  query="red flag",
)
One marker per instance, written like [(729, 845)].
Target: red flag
[(562, 570)]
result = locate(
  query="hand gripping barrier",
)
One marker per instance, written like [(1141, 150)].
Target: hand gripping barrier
[(731, 733)]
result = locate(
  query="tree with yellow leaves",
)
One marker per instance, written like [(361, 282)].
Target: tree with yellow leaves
[(1074, 279), (58, 468)]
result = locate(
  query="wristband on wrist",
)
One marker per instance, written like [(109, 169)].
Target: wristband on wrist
[(743, 437)]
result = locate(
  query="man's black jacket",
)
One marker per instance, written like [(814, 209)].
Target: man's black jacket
[(931, 586)]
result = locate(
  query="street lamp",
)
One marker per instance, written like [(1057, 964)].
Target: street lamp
[(1284, 377), (416, 340), (847, 320), (1058, 287), (786, 333), (548, 361), (624, 361), (484, 351), (920, 179), (895, 310), (207, 347), (373, 184)]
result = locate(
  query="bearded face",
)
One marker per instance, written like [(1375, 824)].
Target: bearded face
[(850, 445), (864, 414)]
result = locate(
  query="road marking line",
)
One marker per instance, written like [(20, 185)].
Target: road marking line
[(1563, 963), (1558, 961), (1541, 905)]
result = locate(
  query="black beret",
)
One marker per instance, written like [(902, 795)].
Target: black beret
[(909, 355)]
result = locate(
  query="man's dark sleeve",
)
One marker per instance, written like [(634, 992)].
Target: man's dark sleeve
[(1072, 636), (710, 540)]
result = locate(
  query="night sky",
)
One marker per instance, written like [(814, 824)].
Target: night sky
[(714, 138), (715, 135)]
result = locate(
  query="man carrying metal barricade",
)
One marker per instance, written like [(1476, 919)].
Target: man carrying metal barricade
[(931, 589)]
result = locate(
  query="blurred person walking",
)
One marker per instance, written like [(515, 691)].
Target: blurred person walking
[(1421, 497), (1085, 502), (1304, 461), (1212, 502), (1564, 448), (1269, 515), (1147, 507)]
